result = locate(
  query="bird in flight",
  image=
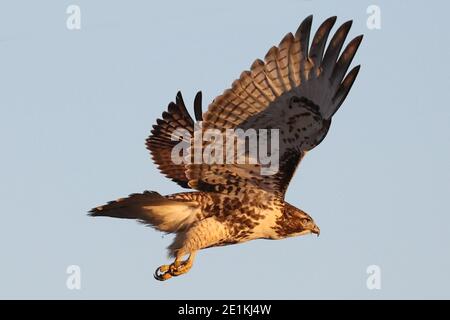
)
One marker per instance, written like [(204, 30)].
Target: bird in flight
[(295, 91)]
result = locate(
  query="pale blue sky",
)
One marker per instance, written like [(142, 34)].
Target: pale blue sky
[(76, 107)]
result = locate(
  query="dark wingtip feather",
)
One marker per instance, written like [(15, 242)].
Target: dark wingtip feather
[(346, 59), (355, 70), (198, 106), (181, 106), (335, 46), (303, 33), (320, 40), (166, 115), (347, 25), (179, 101), (95, 212), (344, 88), (305, 27)]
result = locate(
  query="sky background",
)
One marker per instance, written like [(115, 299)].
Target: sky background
[(76, 107)]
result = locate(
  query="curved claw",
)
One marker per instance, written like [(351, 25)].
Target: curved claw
[(162, 274), (177, 268)]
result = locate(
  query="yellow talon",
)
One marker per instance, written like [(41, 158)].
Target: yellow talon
[(177, 268), (164, 268), (162, 273), (182, 268)]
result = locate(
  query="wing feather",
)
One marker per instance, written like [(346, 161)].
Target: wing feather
[(296, 89), (341, 67), (319, 42), (283, 61), (302, 34), (345, 87), (271, 71), (160, 143), (335, 46)]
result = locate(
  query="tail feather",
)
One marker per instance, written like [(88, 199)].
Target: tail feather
[(151, 208)]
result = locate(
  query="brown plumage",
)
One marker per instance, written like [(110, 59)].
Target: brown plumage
[(295, 90)]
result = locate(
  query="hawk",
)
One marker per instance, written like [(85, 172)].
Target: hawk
[(296, 89)]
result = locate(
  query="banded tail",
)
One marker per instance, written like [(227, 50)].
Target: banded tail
[(151, 208)]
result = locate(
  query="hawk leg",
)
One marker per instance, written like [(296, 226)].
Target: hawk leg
[(196, 238), (177, 268)]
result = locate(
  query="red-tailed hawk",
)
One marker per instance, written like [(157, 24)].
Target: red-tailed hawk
[(295, 90)]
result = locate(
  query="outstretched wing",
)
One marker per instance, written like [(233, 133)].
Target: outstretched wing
[(160, 143), (296, 89)]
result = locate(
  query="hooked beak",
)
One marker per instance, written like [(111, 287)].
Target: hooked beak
[(316, 230)]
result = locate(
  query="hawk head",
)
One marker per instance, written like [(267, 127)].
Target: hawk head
[(295, 222)]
